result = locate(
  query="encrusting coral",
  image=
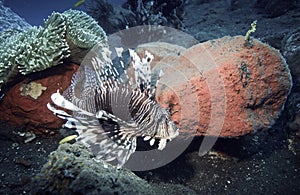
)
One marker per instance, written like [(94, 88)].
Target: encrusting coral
[(39, 48), (33, 89)]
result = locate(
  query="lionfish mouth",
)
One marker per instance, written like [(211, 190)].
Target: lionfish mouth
[(99, 95)]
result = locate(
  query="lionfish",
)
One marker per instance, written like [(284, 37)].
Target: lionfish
[(111, 107)]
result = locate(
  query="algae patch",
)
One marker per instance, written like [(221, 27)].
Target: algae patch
[(33, 89)]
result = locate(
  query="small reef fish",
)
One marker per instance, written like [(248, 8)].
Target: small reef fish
[(79, 3), (112, 104), (67, 139)]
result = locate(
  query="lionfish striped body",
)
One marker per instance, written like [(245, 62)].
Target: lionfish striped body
[(111, 108)]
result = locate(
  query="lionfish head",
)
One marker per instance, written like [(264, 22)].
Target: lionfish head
[(166, 127)]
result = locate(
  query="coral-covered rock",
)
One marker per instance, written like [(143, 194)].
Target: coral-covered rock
[(223, 88), (71, 169), (25, 104)]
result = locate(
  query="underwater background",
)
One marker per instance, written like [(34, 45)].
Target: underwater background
[(34, 11), (258, 149)]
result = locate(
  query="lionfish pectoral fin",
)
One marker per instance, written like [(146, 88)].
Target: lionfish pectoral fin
[(123, 155), (71, 122), (162, 144), (128, 127), (60, 101), (109, 138), (60, 113), (126, 141), (111, 149), (102, 114), (152, 141)]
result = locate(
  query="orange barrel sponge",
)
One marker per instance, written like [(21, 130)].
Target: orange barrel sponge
[(25, 104), (223, 88)]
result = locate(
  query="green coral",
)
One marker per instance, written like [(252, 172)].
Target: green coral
[(9, 50), (33, 50), (4, 35), (45, 46), (249, 32), (83, 30), (39, 48)]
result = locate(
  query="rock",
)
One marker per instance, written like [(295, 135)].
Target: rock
[(71, 170), (222, 88), (294, 136), (291, 50), (275, 8), (112, 18), (29, 109), (295, 124), (22, 161), (292, 106), (10, 20)]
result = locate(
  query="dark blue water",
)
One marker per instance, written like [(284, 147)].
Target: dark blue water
[(35, 11)]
